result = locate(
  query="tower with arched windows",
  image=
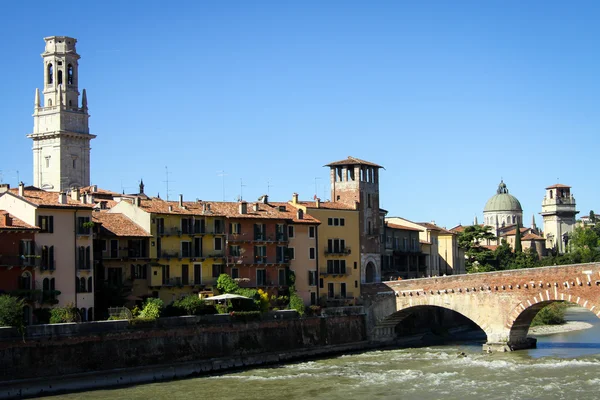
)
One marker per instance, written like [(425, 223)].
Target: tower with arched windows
[(559, 213), (61, 136), (355, 182)]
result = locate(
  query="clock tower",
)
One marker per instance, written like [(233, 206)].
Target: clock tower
[(61, 135)]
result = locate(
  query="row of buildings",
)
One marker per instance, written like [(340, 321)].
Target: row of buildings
[(64, 241)]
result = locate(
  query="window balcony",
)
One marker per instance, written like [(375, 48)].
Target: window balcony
[(10, 261), (343, 251)]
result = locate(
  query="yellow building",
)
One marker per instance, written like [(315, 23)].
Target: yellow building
[(338, 250), (187, 244)]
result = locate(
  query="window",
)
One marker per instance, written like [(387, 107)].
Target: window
[(46, 223), (166, 274), (218, 226), (330, 292), (137, 248), (217, 269), (414, 244), (115, 276), (312, 278), (311, 232), (336, 246), (70, 74), (291, 253), (74, 164), (260, 254), (355, 284), (25, 281), (369, 200), (369, 229), (336, 267), (321, 283), (199, 226), (198, 247), (235, 273), (50, 77), (185, 274), (160, 225), (60, 77), (218, 244), (186, 249), (235, 228), (138, 271), (261, 277), (311, 253), (83, 312), (234, 250), (103, 245), (197, 274), (343, 290), (48, 162), (291, 231), (281, 275), (260, 232), (114, 248), (187, 225), (280, 232), (336, 221), (90, 285), (83, 225), (48, 258)]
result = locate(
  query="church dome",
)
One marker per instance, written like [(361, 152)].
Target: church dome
[(502, 201)]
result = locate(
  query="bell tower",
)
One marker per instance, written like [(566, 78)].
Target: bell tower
[(61, 135), (559, 213)]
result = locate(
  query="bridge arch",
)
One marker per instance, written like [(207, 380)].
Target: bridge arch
[(524, 313)]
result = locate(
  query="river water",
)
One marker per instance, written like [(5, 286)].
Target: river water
[(564, 366)]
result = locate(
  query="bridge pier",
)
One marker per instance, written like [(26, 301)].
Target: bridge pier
[(502, 347)]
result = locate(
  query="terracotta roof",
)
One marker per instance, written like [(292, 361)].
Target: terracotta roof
[(458, 229), (353, 161), (435, 227), (292, 214), (118, 225), (16, 223), (99, 191), (328, 205), (42, 198), (559, 186), (532, 236), (402, 227), (514, 231), (490, 246)]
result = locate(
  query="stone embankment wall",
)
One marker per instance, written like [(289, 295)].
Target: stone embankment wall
[(48, 351)]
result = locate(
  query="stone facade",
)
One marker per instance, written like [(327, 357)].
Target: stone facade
[(558, 211), (61, 137)]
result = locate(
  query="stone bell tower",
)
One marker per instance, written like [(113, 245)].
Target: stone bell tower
[(61, 135)]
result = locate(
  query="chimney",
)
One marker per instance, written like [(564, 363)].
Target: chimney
[(243, 207), (318, 202), (299, 214), (4, 187), (264, 199), (181, 200), (255, 206), (138, 201), (295, 198), (62, 198), (5, 219), (89, 198), (94, 188), (21, 189), (204, 208), (75, 194), (170, 208)]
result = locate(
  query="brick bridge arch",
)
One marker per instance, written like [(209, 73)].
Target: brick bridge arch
[(502, 304)]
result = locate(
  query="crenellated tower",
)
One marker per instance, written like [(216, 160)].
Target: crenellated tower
[(61, 136), (559, 213)]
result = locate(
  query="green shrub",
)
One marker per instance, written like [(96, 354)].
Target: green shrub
[(61, 315), (11, 312), (227, 285), (152, 308), (552, 314), (222, 308), (190, 305), (245, 316), (143, 321), (296, 303)]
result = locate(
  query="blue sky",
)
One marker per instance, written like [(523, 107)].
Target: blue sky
[(448, 96)]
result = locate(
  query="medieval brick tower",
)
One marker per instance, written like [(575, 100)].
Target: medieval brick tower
[(355, 182)]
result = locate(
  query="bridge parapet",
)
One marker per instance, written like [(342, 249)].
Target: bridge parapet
[(501, 303)]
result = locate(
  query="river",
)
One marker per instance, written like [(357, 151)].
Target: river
[(564, 366)]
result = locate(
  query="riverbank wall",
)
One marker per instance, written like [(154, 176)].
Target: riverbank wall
[(67, 357)]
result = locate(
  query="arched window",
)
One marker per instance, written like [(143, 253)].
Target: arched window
[(59, 77), (90, 287), (50, 74), (83, 313), (90, 316), (82, 284), (49, 102), (25, 281), (70, 74), (46, 284), (551, 194), (514, 219)]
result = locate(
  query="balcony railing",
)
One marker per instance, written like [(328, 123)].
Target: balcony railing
[(173, 282), (20, 260), (170, 254), (342, 251)]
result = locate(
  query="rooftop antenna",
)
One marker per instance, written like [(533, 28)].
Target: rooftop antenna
[(222, 174), (167, 173), (241, 189), (123, 187), (269, 186)]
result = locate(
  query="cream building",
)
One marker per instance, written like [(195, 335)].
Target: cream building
[(61, 135), (558, 211)]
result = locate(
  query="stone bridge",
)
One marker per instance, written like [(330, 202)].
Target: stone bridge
[(502, 304)]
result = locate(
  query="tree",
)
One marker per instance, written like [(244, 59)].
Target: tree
[(478, 257), (504, 256), (592, 217), (518, 244), (227, 285), (11, 312)]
